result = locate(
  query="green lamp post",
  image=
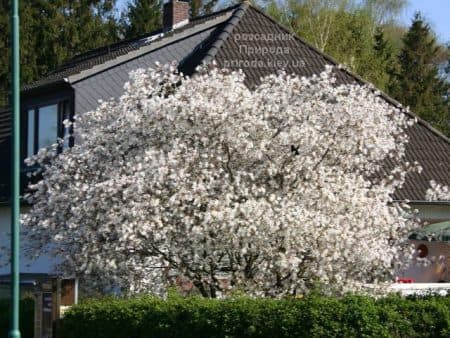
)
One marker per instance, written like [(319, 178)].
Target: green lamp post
[(15, 172)]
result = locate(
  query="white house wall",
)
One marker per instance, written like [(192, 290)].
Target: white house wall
[(437, 269), (43, 264), (433, 213)]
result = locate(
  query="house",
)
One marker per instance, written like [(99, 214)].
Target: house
[(432, 242), (239, 37)]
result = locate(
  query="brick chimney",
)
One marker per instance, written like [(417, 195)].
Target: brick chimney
[(175, 14)]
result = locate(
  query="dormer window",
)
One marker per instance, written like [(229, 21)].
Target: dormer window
[(45, 125)]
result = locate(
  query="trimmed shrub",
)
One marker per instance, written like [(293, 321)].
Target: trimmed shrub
[(314, 316), (26, 318)]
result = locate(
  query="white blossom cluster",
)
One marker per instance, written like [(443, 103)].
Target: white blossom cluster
[(266, 191), (438, 192)]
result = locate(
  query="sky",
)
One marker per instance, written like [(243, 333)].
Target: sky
[(437, 13)]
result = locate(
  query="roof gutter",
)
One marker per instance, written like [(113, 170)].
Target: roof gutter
[(44, 86), (423, 202), (417, 202)]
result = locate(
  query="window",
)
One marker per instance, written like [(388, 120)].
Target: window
[(45, 126)]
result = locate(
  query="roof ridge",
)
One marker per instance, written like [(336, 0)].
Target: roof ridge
[(356, 76), (81, 57), (65, 74), (227, 30), (223, 10), (162, 41), (90, 53)]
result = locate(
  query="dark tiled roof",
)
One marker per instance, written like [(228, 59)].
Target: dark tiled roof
[(242, 49), (432, 151), (109, 78), (101, 55), (229, 44)]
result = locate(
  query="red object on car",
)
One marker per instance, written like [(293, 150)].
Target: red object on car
[(406, 280)]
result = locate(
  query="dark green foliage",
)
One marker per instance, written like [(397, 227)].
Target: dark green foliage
[(26, 317), (383, 60), (201, 7), (357, 34), (141, 16), (52, 32), (314, 316), (417, 82)]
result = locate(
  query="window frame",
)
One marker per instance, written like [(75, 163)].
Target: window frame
[(63, 103)]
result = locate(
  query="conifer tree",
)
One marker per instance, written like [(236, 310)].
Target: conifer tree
[(52, 32), (346, 30), (383, 60), (201, 7), (141, 16), (144, 16), (417, 83)]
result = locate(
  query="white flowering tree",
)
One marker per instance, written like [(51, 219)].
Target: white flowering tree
[(438, 192), (267, 191)]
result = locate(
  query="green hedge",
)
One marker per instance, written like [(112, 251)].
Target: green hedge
[(26, 317), (351, 316)]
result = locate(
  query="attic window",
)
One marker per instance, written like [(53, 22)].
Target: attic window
[(45, 125)]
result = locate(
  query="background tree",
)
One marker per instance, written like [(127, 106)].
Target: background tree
[(418, 83), (140, 17), (346, 30), (384, 61), (447, 63), (53, 32), (30, 68), (144, 16), (229, 188), (202, 7), (385, 11), (312, 20)]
